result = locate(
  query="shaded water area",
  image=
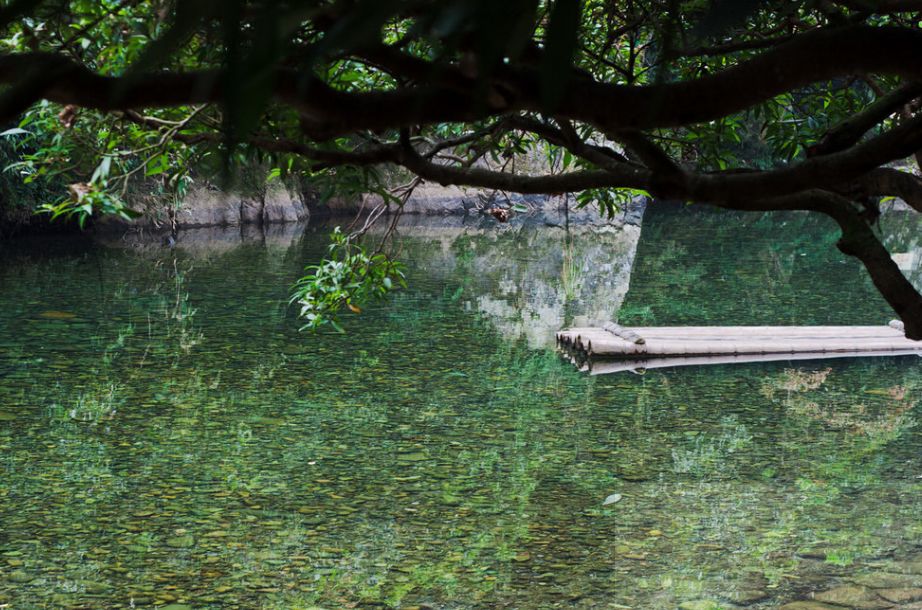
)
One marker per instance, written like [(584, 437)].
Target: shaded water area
[(169, 439)]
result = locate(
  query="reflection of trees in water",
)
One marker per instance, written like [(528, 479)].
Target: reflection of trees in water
[(696, 266), (803, 395), (531, 281), (571, 272), (178, 315), (903, 237)]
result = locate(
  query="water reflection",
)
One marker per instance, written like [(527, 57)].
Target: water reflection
[(173, 441), (529, 279)]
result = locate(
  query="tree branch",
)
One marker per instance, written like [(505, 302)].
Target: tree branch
[(886, 181), (849, 131), (734, 47), (328, 112), (882, 7), (811, 57), (830, 171), (558, 183)]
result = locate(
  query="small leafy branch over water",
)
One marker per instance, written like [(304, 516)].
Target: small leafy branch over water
[(350, 277)]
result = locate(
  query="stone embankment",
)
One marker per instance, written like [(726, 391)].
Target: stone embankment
[(435, 200), (206, 207)]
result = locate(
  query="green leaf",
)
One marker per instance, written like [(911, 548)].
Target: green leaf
[(567, 159), (102, 171), (14, 131)]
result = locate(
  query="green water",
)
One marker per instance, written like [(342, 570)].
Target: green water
[(168, 438)]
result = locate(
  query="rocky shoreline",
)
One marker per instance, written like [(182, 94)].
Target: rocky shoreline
[(212, 208)]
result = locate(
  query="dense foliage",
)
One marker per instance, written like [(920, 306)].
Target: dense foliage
[(349, 275), (750, 105)]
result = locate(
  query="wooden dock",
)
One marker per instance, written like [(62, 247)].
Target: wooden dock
[(614, 348)]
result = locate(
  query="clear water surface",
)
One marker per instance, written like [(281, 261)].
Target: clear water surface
[(169, 439)]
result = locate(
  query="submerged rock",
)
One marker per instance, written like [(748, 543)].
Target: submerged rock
[(747, 596), (858, 597), (57, 315), (913, 566), (700, 604), (181, 542), (20, 577), (901, 596), (95, 588), (887, 580)]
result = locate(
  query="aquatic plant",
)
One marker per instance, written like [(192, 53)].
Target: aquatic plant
[(712, 456), (96, 404)]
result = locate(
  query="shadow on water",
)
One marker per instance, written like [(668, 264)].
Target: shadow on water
[(168, 438)]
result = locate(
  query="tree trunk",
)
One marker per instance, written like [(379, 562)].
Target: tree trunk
[(859, 240)]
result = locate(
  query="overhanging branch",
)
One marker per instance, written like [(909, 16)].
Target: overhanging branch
[(810, 57), (849, 131), (886, 181)]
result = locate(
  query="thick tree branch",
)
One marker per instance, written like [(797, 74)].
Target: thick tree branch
[(814, 56), (479, 177), (860, 241), (882, 7), (839, 171), (886, 181), (851, 130), (648, 153), (830, 171), (811, 57)]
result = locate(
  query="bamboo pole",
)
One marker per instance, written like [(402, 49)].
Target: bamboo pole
[(606, 367), (787, 345)]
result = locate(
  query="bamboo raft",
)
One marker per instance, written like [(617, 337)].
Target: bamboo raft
[(613, 348)]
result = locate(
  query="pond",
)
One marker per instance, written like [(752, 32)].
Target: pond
[(168, 438)]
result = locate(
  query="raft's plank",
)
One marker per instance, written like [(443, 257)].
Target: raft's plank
[(664, 347), (730, 331), (606, 367)]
